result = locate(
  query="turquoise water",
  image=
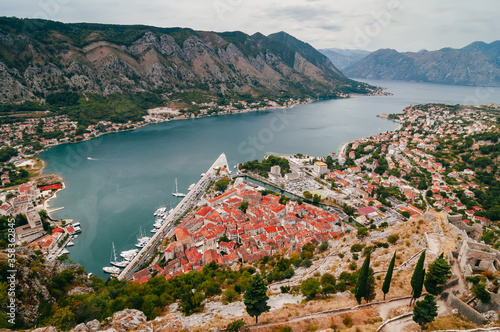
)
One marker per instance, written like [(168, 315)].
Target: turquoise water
[(130, 174)]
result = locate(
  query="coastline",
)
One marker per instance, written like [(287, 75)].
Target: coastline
[(343, 148), (44, 164), (47, 201), (232, 112)]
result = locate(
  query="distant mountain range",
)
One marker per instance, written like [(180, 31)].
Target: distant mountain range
[(476, 64), (342, 58), (41, 57)]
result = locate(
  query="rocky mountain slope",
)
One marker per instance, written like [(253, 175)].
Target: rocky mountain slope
[(475, 64), (40, 57), (38, 285), (343, 58)]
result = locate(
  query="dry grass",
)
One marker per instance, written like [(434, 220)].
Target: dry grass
[(456, 322), (366, 320)]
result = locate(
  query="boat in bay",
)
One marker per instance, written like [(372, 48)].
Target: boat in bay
[(129, 254), (176, 193), (111, 269), (114, 261)]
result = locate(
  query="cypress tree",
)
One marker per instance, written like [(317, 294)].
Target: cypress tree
[(370, 286), (255, 297), (417, 279), (361, 289), (388, 276)]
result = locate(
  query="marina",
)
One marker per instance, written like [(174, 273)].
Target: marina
[(186, 203)]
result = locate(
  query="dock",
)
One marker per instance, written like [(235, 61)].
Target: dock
[(179, 210), (54, 210)]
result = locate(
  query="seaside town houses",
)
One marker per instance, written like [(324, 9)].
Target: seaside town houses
[(221, 232), (373, 182), (385, 179)]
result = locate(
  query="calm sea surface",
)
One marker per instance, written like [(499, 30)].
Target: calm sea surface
[(129, 175)]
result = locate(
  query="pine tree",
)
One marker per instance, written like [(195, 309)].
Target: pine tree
[(255, 297), (388, 277), (438, 274), (425, 311), (417, 279), (362, 285)]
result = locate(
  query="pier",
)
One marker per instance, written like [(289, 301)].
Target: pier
[(183, 206)]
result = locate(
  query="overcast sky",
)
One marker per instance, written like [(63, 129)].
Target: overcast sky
[(405, 25)]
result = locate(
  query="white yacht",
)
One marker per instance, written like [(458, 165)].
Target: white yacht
[(129, 254), (160, 211), (111, 269), (77, 227), (176, 193), (114, 261), (140, 244)]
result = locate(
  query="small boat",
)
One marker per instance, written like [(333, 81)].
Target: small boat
[(111, 269), (114, 275), (116, 262), (160, 210), (75, 236), (191, 186), (70, 243), (77, 227), (129, 254), (176, 193), (64, 251), (89, 275), (122, 264)]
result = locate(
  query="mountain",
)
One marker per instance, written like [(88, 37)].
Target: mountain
[(41, 57), (342, 58), (475, 64)]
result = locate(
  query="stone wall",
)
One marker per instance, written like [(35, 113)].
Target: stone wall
[(463, 308), (453, 282)]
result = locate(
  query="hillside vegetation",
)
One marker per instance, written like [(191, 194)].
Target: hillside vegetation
[(41, 57)]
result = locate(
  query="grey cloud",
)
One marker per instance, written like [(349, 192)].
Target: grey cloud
[(302, 13), (330, 27)]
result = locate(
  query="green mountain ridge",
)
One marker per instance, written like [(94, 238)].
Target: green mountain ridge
[(41, 57)]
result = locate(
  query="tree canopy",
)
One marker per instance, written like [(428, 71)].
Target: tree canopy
[(255, 298), (438, 274), (425, 311), (388, 277), (365, 285), (417, 279), (310, 287)]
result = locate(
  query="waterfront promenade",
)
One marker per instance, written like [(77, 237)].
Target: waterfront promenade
[(188, 201)]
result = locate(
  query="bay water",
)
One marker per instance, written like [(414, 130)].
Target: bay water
[(115, 182)]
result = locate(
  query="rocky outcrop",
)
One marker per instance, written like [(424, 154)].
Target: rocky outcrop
[(43, 57), (33, 283), (475, 64), (127, 320), (122, 321)]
